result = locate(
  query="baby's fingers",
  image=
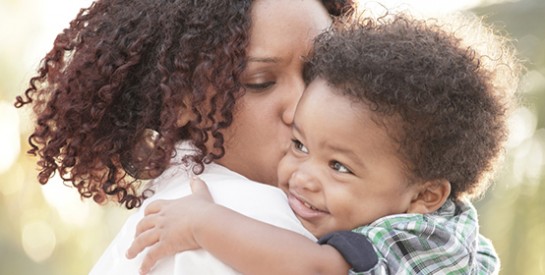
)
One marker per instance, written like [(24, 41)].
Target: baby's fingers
[(143, 240), (147, 223), (198, 187), (155, 207), (154, 254)]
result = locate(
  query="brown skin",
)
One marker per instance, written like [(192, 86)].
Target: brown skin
[(273, 255), (281, 36), (343, 170)]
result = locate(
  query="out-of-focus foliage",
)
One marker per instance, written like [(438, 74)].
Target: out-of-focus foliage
[(48, 230), (513, 213)]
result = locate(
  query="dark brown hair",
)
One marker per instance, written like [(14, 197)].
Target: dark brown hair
[(126, 66), (442, 101)]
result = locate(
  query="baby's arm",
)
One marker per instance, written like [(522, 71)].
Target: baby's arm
[(249, 246)]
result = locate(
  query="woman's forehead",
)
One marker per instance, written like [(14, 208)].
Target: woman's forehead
[(280, 26)]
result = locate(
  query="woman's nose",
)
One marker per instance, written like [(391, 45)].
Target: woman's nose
[(292, 96)]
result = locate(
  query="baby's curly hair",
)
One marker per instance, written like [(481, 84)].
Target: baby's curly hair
[(123, 67), (444, 103)]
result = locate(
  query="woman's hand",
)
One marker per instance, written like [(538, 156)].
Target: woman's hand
[(168, 225)]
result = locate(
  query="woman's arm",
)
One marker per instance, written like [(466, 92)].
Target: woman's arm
[(250, 246)]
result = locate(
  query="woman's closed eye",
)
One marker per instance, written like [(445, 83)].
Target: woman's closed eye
[(339, 167), (259, 86), (299, 146)]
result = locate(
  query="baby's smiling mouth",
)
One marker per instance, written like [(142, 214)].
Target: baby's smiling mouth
[(304, 209), (310, 206)]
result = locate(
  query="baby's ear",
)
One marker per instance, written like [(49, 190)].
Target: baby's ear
[(431, 196)]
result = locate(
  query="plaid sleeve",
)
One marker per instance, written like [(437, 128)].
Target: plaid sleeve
[(487, 260)]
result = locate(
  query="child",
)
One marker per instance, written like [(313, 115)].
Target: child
[(400, 124)]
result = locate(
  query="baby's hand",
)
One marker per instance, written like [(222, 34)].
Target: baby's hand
[(167, 227)]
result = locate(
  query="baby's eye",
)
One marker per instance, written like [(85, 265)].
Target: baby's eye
[(259, 86), (339, 167), (299, 146)]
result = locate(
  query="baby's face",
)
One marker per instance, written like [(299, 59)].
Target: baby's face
[(342, 170)]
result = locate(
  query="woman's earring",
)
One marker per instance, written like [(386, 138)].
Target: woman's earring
[(138, 161)]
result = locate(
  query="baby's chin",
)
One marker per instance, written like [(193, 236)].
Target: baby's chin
[(316, 231)]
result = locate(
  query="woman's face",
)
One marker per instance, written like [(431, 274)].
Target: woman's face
[(281, 35)]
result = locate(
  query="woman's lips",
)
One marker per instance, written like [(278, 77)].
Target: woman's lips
[(303, 209)]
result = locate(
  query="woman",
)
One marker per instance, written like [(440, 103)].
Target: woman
[(131, 79)]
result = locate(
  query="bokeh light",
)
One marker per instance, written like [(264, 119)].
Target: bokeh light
[(38, 240), (522, 126), (10, 145), (67, 203)]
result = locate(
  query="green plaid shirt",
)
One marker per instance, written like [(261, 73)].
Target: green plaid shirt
[(444, 242)]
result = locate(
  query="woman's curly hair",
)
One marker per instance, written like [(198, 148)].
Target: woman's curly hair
[(444, 103), (123, 67)]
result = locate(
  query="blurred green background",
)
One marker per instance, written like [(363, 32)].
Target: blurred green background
[(49, 230)]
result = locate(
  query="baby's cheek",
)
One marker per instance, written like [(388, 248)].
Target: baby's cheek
[(285, 169)]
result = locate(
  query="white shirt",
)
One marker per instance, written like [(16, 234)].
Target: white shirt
[(258, 201)]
